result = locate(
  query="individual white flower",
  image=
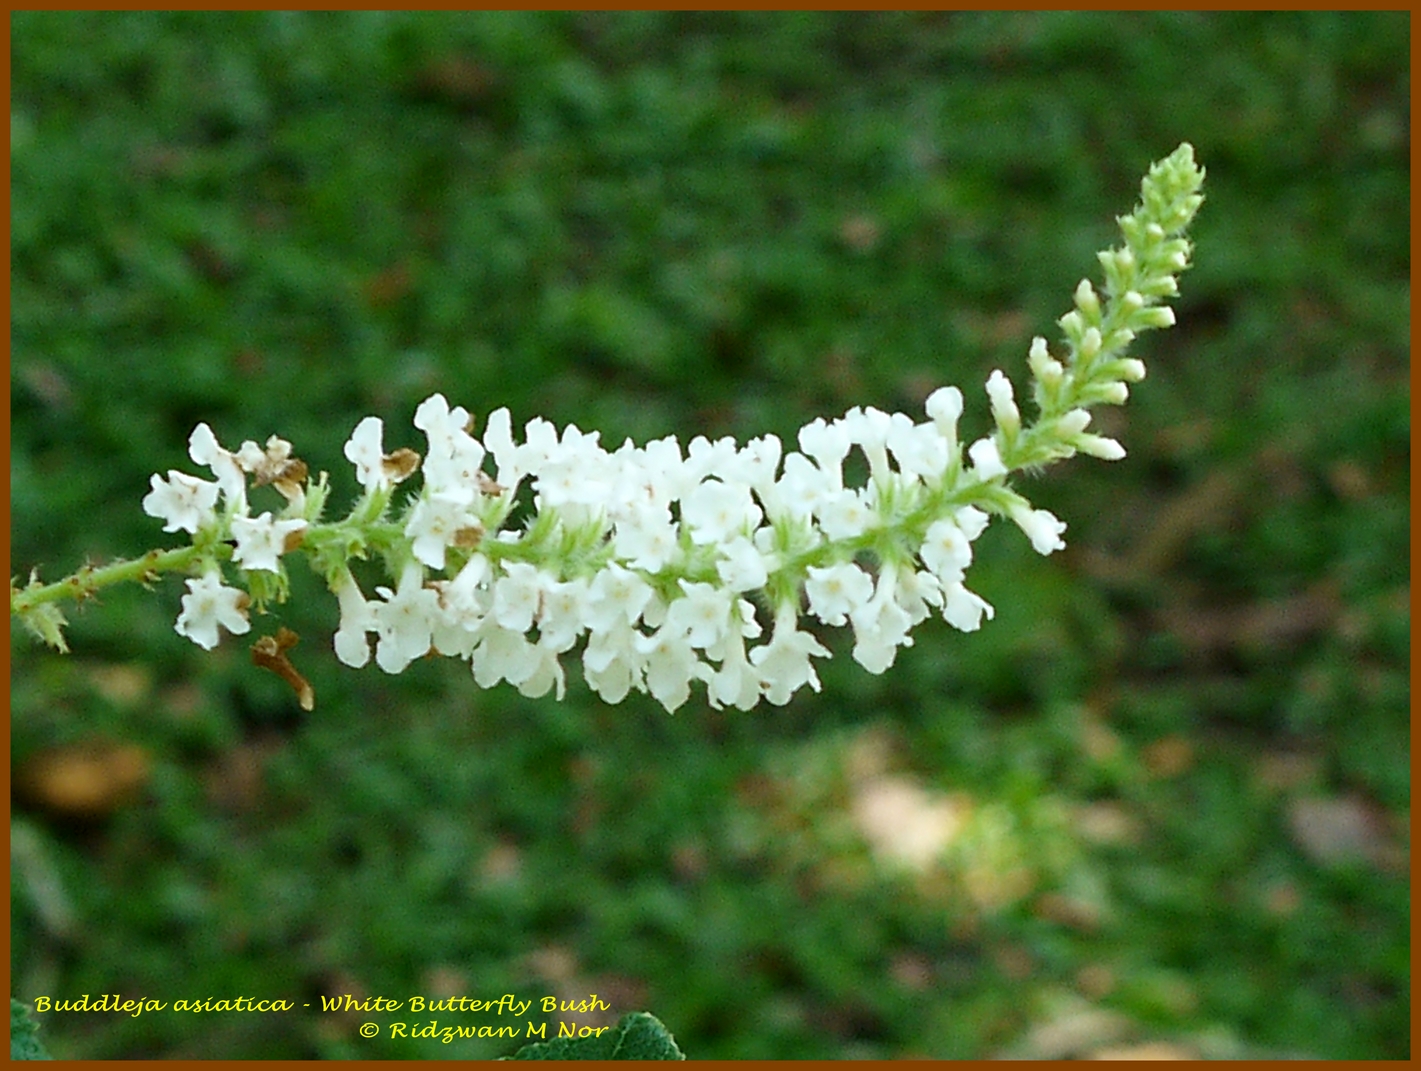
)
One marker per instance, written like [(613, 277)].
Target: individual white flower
[(454, 635), (916, 592), (405, 621), (881, 625), (456, 471), (1041, 527), (972, 521), (844, 514), (563, 617), (503, 654), (836, 591), (945, 550), (783, 663), (440, 424), (204, 448), (612, 663), (540, 444), (963, 609), (261, 540), (357, 619), (545, 672), (184, 502), (615, 598), (572, 477), (498, 438), (583, 453), (517, 595), (715, 511), (461, 596), (919, 449), (877, 653), (736, 683), (869, 428), (463, 604), (453, 463), (758, 462), (365, 450), (646, 540), (828, 445), (702, 615), (802, 486), (742, 565), (669, 663), (705, 458), (209, 604), (434, 524), (986, 459), (654, 475)]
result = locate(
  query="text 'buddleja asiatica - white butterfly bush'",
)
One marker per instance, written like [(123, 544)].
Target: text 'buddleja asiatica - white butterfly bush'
[(651, 560)]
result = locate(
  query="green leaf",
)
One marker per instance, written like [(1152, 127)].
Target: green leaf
[(638, 1036), (24, 1031)]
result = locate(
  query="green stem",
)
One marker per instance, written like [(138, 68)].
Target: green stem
[(89, 579)]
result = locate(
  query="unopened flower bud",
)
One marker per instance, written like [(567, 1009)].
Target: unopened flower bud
[(1045, 367), (1087, 301), (1090, 343), (1099, 446), (1155, 316), (944, 406), (1004, 408), (1114, 393)]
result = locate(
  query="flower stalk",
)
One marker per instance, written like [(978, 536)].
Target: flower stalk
[(661, 565)]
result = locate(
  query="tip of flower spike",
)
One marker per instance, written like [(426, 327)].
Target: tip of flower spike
[(1171, 189)]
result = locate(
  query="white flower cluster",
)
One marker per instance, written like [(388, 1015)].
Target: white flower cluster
[(188, 504), (648, 554), (660, 563)]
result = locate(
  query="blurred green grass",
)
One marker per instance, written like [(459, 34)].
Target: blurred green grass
[(1177, 760)]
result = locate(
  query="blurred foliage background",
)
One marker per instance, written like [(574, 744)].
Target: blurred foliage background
[(1159, 806)]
